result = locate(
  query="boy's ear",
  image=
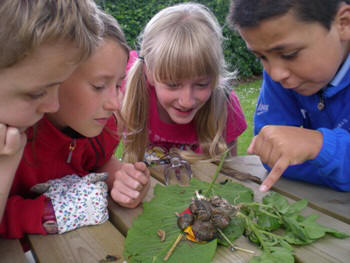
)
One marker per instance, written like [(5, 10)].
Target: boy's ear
[(343, 21)]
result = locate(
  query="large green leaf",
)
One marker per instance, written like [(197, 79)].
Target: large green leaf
[(143, 244)]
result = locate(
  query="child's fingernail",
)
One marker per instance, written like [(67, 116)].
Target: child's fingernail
[(263, 188)]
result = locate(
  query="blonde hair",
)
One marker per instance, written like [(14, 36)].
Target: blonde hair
[(180, 42), (27, 24)]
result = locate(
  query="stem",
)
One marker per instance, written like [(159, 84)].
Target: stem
[(273, 235), (171, 250), (262, 210), (232, 245), (251, 225), (223, 157)]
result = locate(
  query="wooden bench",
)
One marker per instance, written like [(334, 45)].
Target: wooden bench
[(11, 251), (87, 244)]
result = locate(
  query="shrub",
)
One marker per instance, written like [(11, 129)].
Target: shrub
[(134, 14)]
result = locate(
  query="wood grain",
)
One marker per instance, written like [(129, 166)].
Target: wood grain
[(11, 251), (84, 245)]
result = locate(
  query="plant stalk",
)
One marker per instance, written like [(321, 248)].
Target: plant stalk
[(171, 250), (223, 157), (232, 245)]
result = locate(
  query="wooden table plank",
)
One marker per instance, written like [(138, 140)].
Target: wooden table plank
[(249, 164), (11, 251), (224, 254), (326, 250), (85, 245)]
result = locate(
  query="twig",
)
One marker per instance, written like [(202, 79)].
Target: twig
[(223, 157), (232, 245), (171, 250)]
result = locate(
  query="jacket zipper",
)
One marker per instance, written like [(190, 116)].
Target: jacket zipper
[(321, 104), (72, 146)]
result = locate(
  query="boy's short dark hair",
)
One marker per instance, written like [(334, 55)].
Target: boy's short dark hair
[(250, 13)]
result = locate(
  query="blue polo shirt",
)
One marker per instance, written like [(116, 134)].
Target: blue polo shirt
[(279, 106)]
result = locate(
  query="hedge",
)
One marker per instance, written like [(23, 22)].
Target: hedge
[(134, 14)]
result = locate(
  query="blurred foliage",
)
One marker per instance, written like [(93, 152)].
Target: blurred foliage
[(134, 14), (248, 94)]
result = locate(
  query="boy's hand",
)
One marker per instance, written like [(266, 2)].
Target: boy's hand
[(130, 184), (282, 146)]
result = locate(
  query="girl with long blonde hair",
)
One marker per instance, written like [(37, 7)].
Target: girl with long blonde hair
[(178, 91)]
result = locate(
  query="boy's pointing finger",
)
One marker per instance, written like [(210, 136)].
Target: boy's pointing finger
[(277, 170)]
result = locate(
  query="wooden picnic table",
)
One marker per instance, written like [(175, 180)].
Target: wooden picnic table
[(95, 243)]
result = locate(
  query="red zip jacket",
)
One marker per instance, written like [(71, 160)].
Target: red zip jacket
[(50, 155)]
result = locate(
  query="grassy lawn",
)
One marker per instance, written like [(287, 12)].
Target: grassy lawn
[(248, 94)]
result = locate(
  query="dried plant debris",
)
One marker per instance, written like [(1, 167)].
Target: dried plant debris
[(109, 258), (161, 234)]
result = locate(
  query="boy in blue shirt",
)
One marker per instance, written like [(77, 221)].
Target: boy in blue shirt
[(302, 120)]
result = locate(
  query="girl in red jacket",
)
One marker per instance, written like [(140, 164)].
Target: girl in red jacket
[(68, 150)]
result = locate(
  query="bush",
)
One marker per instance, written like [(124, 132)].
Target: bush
[(134, 14)]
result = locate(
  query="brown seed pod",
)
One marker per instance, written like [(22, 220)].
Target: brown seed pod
[(201, 209), (219, 219), (219, 203), (204, 230), (184, 221)]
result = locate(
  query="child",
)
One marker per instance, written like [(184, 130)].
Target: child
[(39, 49), (302, 116), (178, 89), (67, 145)]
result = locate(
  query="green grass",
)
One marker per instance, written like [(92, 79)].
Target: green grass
[(248, 94), (120, 149)]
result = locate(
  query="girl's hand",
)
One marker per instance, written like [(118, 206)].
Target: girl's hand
[(282, 146), (12, 141), (131, 184)]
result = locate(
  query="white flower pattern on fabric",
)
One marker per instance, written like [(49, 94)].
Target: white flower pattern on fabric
[(79, 201)]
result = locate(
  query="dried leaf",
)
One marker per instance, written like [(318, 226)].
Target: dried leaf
[(161, 234)]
